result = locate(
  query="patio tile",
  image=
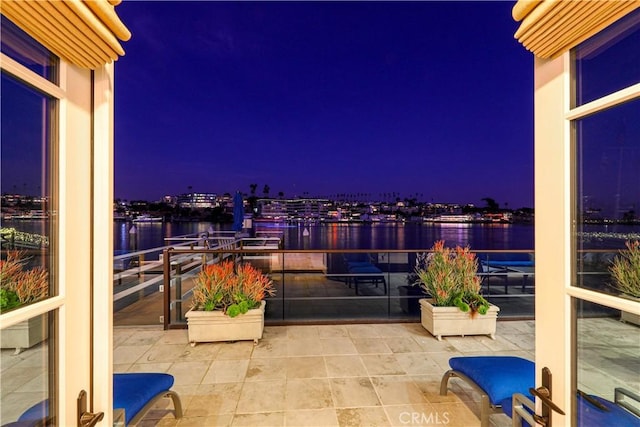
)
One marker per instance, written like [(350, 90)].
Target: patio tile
[(186, 373), (226, 371), (202, 351), (403, 345), (353, 392), (397, 390), (304, 347), (311, 418), (267, 369), (358, 417), (210, 421), (214, 399), (456, 414), (163, 353), (276, 347), (174, 336), (332, 331), (382, 364), (308, 394), (418, 363), (266, 419), (262, 396), (429, 385), (371, 346), (345, 366), (148, 367), (320, 375), (127, 354), (145, 337), (416, 414), (235, 350), (363, 331), (306, 367), (338, 345)]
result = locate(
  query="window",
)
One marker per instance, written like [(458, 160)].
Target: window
[(607, 152), (28, 201)]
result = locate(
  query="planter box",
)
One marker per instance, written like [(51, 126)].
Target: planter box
[(24, 334), (446, 321), (627, 317), (213, 326)]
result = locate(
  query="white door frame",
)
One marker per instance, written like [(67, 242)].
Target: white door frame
[(555, 228), (84, 298)]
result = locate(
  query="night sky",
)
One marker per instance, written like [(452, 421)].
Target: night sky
[(426, 99)]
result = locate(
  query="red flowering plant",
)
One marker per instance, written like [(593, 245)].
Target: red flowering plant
[(18, 285), (449, 276), (234, 289)]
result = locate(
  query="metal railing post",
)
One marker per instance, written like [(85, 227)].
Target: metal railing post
[(166, 257), (178, 291)]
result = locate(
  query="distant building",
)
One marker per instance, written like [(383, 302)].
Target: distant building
[(294, 209), (170, 200), (197, 200)]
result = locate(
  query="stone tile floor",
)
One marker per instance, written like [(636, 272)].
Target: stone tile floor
[(326, 375)]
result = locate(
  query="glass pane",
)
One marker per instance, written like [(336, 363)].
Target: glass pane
[(27, 368), (26, 189), (610, 61), (608, 363), (20, 47), (608, 191)]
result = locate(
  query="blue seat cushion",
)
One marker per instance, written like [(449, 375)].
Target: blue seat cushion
[(37, 412), (498, 376), (359, 264), (508, 263), (370, 269), (35, 416), (132, 391), (590, 415)]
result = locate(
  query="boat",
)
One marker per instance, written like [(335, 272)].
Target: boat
[(147, 218)]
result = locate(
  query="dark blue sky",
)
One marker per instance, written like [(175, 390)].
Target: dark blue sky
[(426, 98)]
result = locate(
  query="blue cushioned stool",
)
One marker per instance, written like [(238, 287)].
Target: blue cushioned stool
[(504, 381), (496, 378), (136, 393)]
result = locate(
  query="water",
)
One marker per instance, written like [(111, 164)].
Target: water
[(375, 236)]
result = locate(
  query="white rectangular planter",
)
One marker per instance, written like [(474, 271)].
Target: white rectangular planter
[(446, 321), (212, 326), (627, 317), (24, 334)]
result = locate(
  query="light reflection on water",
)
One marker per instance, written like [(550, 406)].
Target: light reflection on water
[(345, 236)]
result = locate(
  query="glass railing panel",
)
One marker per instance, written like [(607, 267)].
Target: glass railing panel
[(350, 285), (508, 281)]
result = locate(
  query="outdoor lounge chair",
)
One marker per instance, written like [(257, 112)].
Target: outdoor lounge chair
[(136, 393), (496, 378), (362, 270), (504, 381)]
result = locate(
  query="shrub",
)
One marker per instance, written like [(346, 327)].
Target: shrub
[(449, 277), (234, 289)]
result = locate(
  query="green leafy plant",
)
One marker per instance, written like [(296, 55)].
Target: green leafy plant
[(233, 289), (449, 276), (625, 269), (20, 286)]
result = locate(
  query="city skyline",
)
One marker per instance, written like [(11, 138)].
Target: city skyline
[(325, 98)]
